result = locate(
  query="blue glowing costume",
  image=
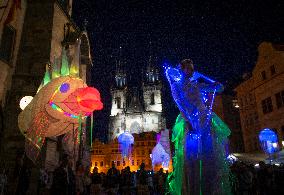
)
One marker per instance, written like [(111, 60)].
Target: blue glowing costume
[(199, 137)]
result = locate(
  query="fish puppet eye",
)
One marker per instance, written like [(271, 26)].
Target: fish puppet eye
[(64, 87)]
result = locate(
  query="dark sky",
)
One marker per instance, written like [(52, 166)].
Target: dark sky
[(221, 37)]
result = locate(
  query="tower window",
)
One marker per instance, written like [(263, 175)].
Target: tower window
[(7, 43), (152, 99), (267, 105), (118, 102)]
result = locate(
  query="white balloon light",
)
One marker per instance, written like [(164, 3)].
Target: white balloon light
[(25, 101)]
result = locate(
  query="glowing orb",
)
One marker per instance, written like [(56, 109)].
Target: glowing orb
[(25, 101), (268, 140)]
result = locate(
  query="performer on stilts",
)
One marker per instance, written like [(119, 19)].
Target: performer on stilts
[(199, 135)]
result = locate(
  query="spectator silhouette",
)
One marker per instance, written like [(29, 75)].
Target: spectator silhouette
[(60, 180)]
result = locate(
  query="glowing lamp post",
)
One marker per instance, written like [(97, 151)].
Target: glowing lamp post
[(269, 141)]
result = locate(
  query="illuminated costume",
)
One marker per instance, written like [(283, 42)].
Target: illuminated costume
[(60, 107), (199, 136)]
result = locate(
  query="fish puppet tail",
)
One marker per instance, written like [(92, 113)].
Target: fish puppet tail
[(35, 136)]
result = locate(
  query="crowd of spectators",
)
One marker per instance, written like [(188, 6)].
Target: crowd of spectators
[(245, 178), (257, 179), (127, 182), (83, 182)]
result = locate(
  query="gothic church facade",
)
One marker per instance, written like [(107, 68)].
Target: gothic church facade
[(136, 110)]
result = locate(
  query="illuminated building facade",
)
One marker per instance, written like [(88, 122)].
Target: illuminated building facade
[(261, 96), (133, 112), (103, 155)]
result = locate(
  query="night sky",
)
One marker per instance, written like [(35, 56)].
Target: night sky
[(221, 38)]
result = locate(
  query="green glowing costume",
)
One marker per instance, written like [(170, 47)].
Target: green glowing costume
[(220, 133)]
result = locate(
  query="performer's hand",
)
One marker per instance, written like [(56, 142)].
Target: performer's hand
[(218, 86)]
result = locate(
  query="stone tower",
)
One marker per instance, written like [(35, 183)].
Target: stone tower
[(118, 92), (152, 89), (134, 109)]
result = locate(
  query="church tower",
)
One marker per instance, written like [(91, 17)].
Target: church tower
[(118, 92), (131, 113), (152, 89)]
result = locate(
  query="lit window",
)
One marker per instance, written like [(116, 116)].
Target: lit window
[(96, 164), (102, 163), (118, 163), (138, 163), (132, 162)]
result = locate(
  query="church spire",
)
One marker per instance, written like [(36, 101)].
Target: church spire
[(120, 75), (152, 73)]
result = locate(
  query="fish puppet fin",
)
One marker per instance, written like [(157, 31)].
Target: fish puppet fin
[(35, 135)]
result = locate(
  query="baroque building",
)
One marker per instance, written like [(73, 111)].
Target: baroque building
[(133, 112), (104, 154), (261, 96)]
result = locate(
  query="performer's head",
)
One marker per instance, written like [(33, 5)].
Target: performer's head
[(187, 67)]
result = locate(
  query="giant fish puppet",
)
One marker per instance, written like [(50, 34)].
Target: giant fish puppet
[(56, 109), (199, 135)]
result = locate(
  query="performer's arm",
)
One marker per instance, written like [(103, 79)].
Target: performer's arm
[(214, 87)]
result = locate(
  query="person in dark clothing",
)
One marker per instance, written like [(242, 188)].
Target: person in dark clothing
[(113, 179), (96, 177), (60, 179), (142, 176), (113, 176), (126, 180)]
